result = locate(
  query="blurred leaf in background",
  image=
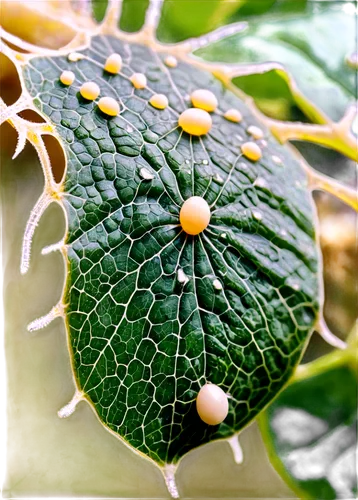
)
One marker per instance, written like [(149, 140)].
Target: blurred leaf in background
[(311, 429)]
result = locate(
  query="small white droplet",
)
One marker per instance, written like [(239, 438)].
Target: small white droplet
[(218, 179), (171, 61), (146, 174), (139, 80), (67, 77), (257, 215), (187, 162), (263, 143), (255, 132), (182, 277), (277, 160), (212, 404), (129, 129), (205, 162), (223, 235), (75, 56), (217, 284), (260, 182)]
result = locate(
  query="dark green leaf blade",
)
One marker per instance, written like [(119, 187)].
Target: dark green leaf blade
[(142, 340)]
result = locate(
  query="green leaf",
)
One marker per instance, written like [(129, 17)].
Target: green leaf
[(143, 340), (311, 432), (308, 53)]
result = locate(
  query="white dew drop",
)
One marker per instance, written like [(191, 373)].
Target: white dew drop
[(233, 115), (352, 60), (217, 284), (255, 132), (276, 159), (194, 215), (251, 150), (257, 215), (260, 182), (195, 121), (159, 101), (187, 162), (68, 409), (218, 179), (75, 56), (223, 235), (90, 91), (113, 64), (108, 106), (146, 174), (204, 99), (182, 277), (138, 80), (171, 62), (205, 162), (236, 449), (129, 129), (67, 77), (212, 404)]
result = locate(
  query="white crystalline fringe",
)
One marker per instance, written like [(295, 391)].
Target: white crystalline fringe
[(169, 476), (42, 322), (68, 409), (41, 205), (21, 142), (236, 449), (59, 246)]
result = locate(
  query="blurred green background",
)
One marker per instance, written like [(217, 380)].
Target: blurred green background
[(77, 457)]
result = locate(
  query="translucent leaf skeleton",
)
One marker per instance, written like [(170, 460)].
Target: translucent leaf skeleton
[(190, 248)]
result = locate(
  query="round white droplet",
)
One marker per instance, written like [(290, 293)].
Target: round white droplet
[(257, 215), (204, 99), (146, 174), (195, 121), (139, 80), (233, 115), (67, 77), (194, 215), (109, 106), (255, 132), (251, 150), (217, 284), (212, 404), (171, 61), (89, 90), (159, 101), (113, 64), (75, 56), (277, 159)]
